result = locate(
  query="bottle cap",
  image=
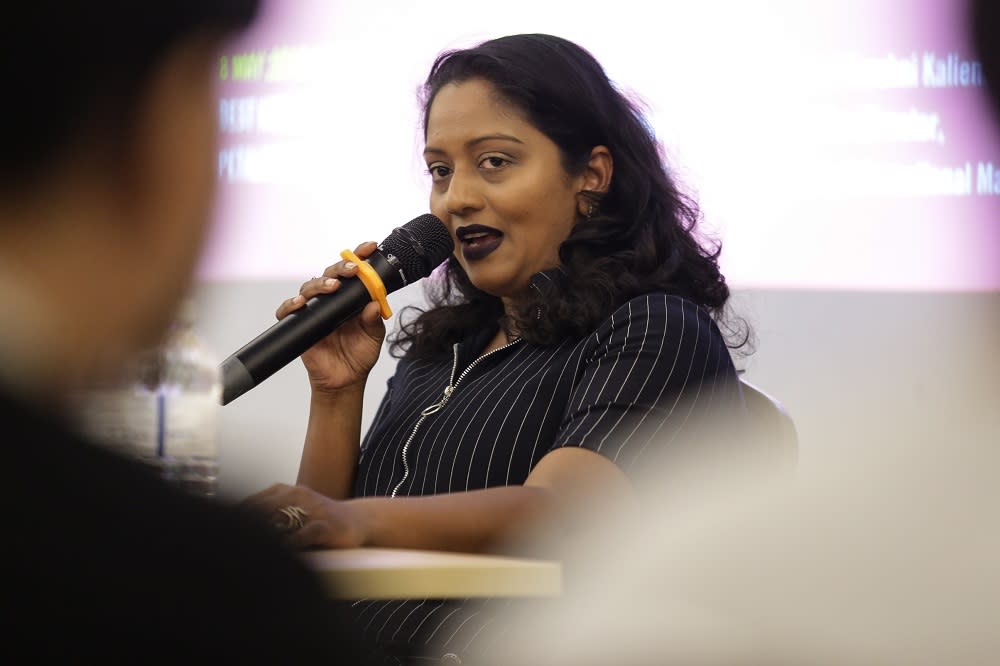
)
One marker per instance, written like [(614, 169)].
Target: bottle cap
[(187, 313)]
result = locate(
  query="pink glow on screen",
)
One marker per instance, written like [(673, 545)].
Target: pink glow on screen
[(832, 144)]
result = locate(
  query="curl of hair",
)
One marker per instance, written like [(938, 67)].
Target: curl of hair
[(641, 238)]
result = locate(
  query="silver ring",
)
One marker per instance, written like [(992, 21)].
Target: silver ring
[(295, 518)]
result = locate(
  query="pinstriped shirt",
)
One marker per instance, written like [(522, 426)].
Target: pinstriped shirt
[(626, 391), (475, 422)]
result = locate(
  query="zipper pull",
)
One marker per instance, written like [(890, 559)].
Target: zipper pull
[(436, 407)]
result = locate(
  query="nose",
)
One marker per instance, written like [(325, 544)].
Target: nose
[(463, 195)]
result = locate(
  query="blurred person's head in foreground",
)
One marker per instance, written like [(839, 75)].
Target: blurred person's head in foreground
[(106, 181), (107, 177)]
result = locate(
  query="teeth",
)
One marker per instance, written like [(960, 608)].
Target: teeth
[(481, 234)]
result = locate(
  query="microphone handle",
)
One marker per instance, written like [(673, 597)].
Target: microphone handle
[(298, 331)]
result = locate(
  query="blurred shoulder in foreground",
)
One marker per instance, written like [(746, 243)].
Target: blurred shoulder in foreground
[(106, 185)]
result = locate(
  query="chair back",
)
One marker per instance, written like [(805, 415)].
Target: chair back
[(776, 426)]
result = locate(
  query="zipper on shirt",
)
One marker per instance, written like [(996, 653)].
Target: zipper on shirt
[(439, 405)]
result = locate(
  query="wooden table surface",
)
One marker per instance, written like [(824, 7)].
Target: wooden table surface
[(389, 573)]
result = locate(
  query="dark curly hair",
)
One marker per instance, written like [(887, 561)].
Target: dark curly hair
[(640, 238)]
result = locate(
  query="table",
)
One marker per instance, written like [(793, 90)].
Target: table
[(391, 573)]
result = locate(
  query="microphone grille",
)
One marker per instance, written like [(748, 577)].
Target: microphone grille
[(420, 246)]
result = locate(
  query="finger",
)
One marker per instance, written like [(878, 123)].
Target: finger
[(289, 305), (273, 502), (270, 491), (363, 251), (366, 249), (318, 285), (313, 533), (371, 321), (309, 288), (268, 505), (341, 269)]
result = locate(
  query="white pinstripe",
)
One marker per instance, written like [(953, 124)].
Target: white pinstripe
[(476, 635), (416, 404), (441, 624), (450, 638), (653, 367), (380, 413), (663, 386), (697, 394), (572, 436), (610, 374), (485, 386), (599, 358), (546, 366), (371, 604), (403, 623), (426, 617), (416, 381), (423, 393), (470, 399), (474, 420), (548, 407), (471, 421), (378, 636), (457, 400), (680, 393), (382, 607), (700, 425), (524, 367), (628, 376)]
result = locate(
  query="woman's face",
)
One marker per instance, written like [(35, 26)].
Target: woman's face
[(499, 186)]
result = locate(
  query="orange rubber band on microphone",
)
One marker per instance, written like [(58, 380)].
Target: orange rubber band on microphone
[(372, 281)]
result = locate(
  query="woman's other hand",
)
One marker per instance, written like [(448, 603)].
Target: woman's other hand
[(345, 357), (309, 519)]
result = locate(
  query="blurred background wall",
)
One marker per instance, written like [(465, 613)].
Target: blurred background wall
[(839, 149)]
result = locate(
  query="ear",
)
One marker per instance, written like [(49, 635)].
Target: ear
[(596, 179)]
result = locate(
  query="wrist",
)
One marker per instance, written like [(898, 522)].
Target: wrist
[(366, 520), (324, 394)]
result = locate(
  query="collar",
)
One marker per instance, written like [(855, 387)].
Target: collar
[(543, 281)]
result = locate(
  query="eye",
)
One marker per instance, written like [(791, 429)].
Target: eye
[(438, 171), (493, 162)]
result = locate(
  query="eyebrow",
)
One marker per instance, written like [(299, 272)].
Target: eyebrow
[(479, 139)]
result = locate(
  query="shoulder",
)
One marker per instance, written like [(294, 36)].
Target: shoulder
[(655, 318), (660, 304), (102, 542)]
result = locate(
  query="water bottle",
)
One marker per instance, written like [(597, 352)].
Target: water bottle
[(189, 393), (121, 412), (163, 410)]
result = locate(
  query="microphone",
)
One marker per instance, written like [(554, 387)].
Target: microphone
[(407, 255)]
